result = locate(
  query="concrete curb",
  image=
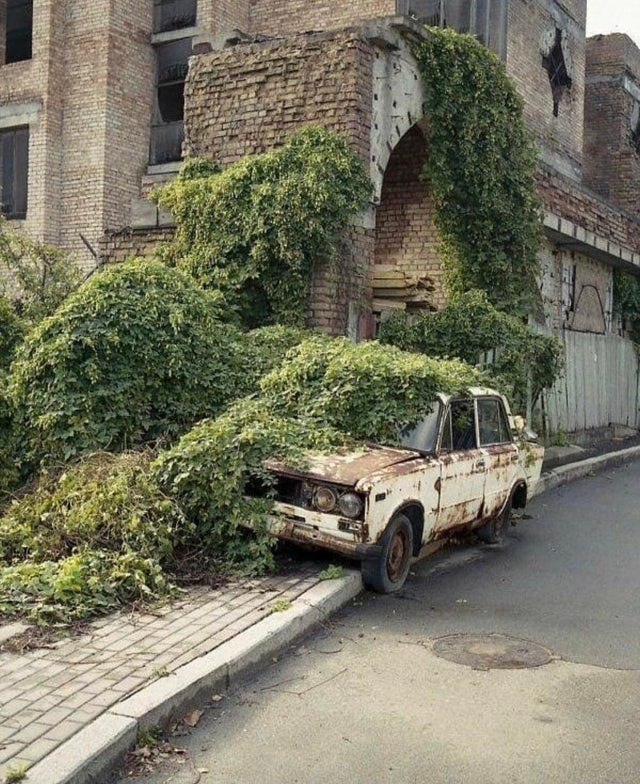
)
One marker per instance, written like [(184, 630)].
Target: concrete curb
[(88, 755), (569, 473)]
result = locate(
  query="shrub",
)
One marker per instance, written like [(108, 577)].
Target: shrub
[(44, 275), (367, 390), (136, 353), (88, 538), (469, 326), (12, 331), (482, 164), (256, 229)]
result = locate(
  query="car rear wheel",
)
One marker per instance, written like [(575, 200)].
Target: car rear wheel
[(388, 572), (494, 531)]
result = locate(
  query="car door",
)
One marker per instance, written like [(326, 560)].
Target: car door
[(463, 467), (501, 453)]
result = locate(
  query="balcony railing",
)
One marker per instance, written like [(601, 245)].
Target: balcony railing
[(174, 15)]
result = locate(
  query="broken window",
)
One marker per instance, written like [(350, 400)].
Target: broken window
[(14, 170), (486, 19), (19, 30), (557, 63), (168, 129), (174, 14), (635, 128)]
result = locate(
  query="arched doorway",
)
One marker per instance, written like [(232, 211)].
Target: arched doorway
[(407, 268)]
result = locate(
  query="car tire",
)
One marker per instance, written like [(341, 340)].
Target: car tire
[(495, 530), (388, 572)]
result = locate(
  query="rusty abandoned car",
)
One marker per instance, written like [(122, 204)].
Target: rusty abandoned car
[(464, 467)]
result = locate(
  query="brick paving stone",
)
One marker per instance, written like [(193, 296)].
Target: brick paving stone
[(62, 731), (36, 751), (10, 750), (31, 732)]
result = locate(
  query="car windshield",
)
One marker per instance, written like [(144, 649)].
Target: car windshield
[(424, 435)]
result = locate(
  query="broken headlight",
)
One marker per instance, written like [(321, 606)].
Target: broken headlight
[(350, 505)]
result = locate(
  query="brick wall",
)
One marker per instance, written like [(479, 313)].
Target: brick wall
[(121, 245), (612, 113), (249, 99), (287, 17), (406, 236), (559, 137), (217, 16), (575, 203)]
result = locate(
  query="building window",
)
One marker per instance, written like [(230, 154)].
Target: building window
[(19, 30), (14, 170), (174, 14), (557, 63), (485, 19), (167, 132)]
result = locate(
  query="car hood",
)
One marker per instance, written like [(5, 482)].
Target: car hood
[(345, 469)]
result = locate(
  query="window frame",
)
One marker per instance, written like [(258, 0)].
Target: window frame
[(20, 173)]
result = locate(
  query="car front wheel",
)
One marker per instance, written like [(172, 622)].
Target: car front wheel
[(388, 572)]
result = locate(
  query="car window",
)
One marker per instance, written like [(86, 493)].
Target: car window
[(425, 434), (492, 423), (459, 430)]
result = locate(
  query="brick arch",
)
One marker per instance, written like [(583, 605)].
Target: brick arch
[(397, 106), (406, 238)]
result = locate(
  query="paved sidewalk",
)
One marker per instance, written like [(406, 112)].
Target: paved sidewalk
[(48, 695), (69, 712)]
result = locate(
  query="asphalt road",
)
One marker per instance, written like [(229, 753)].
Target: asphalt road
[(368, 700)]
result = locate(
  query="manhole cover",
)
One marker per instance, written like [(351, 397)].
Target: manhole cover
[(491, 651)]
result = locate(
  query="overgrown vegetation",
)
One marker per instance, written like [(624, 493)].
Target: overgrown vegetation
[(481, 165), (136, 353), (255, 230), (522, 360), (42, 276), (626, 301)]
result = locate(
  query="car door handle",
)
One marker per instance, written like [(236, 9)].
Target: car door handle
[(480, 464)]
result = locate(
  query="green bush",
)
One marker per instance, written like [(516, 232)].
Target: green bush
[(468, 327), (255, 230), (44, 275), (136, 353), (367, 390), (326, 395), (12, 332), (88, 538)]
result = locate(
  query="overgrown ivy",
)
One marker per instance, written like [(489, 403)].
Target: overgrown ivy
[(255, 230), (481, 164), (626, 301), (110, 529), (136, 353), (42, 275), (522, 360)]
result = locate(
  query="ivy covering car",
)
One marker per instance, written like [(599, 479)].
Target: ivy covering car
[(464, 467)]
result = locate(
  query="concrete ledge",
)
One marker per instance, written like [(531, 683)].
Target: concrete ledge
[(88, 754), (569, 473)]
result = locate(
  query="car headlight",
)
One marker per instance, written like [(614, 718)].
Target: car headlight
[(325, 499), (350, 505)]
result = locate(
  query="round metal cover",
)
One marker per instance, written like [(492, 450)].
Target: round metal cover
[(491, 651)]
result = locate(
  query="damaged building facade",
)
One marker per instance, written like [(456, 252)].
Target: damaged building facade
[(99, 106)]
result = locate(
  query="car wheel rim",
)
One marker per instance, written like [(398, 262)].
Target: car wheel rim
[(397, 557)]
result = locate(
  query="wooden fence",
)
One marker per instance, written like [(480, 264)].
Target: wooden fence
[(599, 386)]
